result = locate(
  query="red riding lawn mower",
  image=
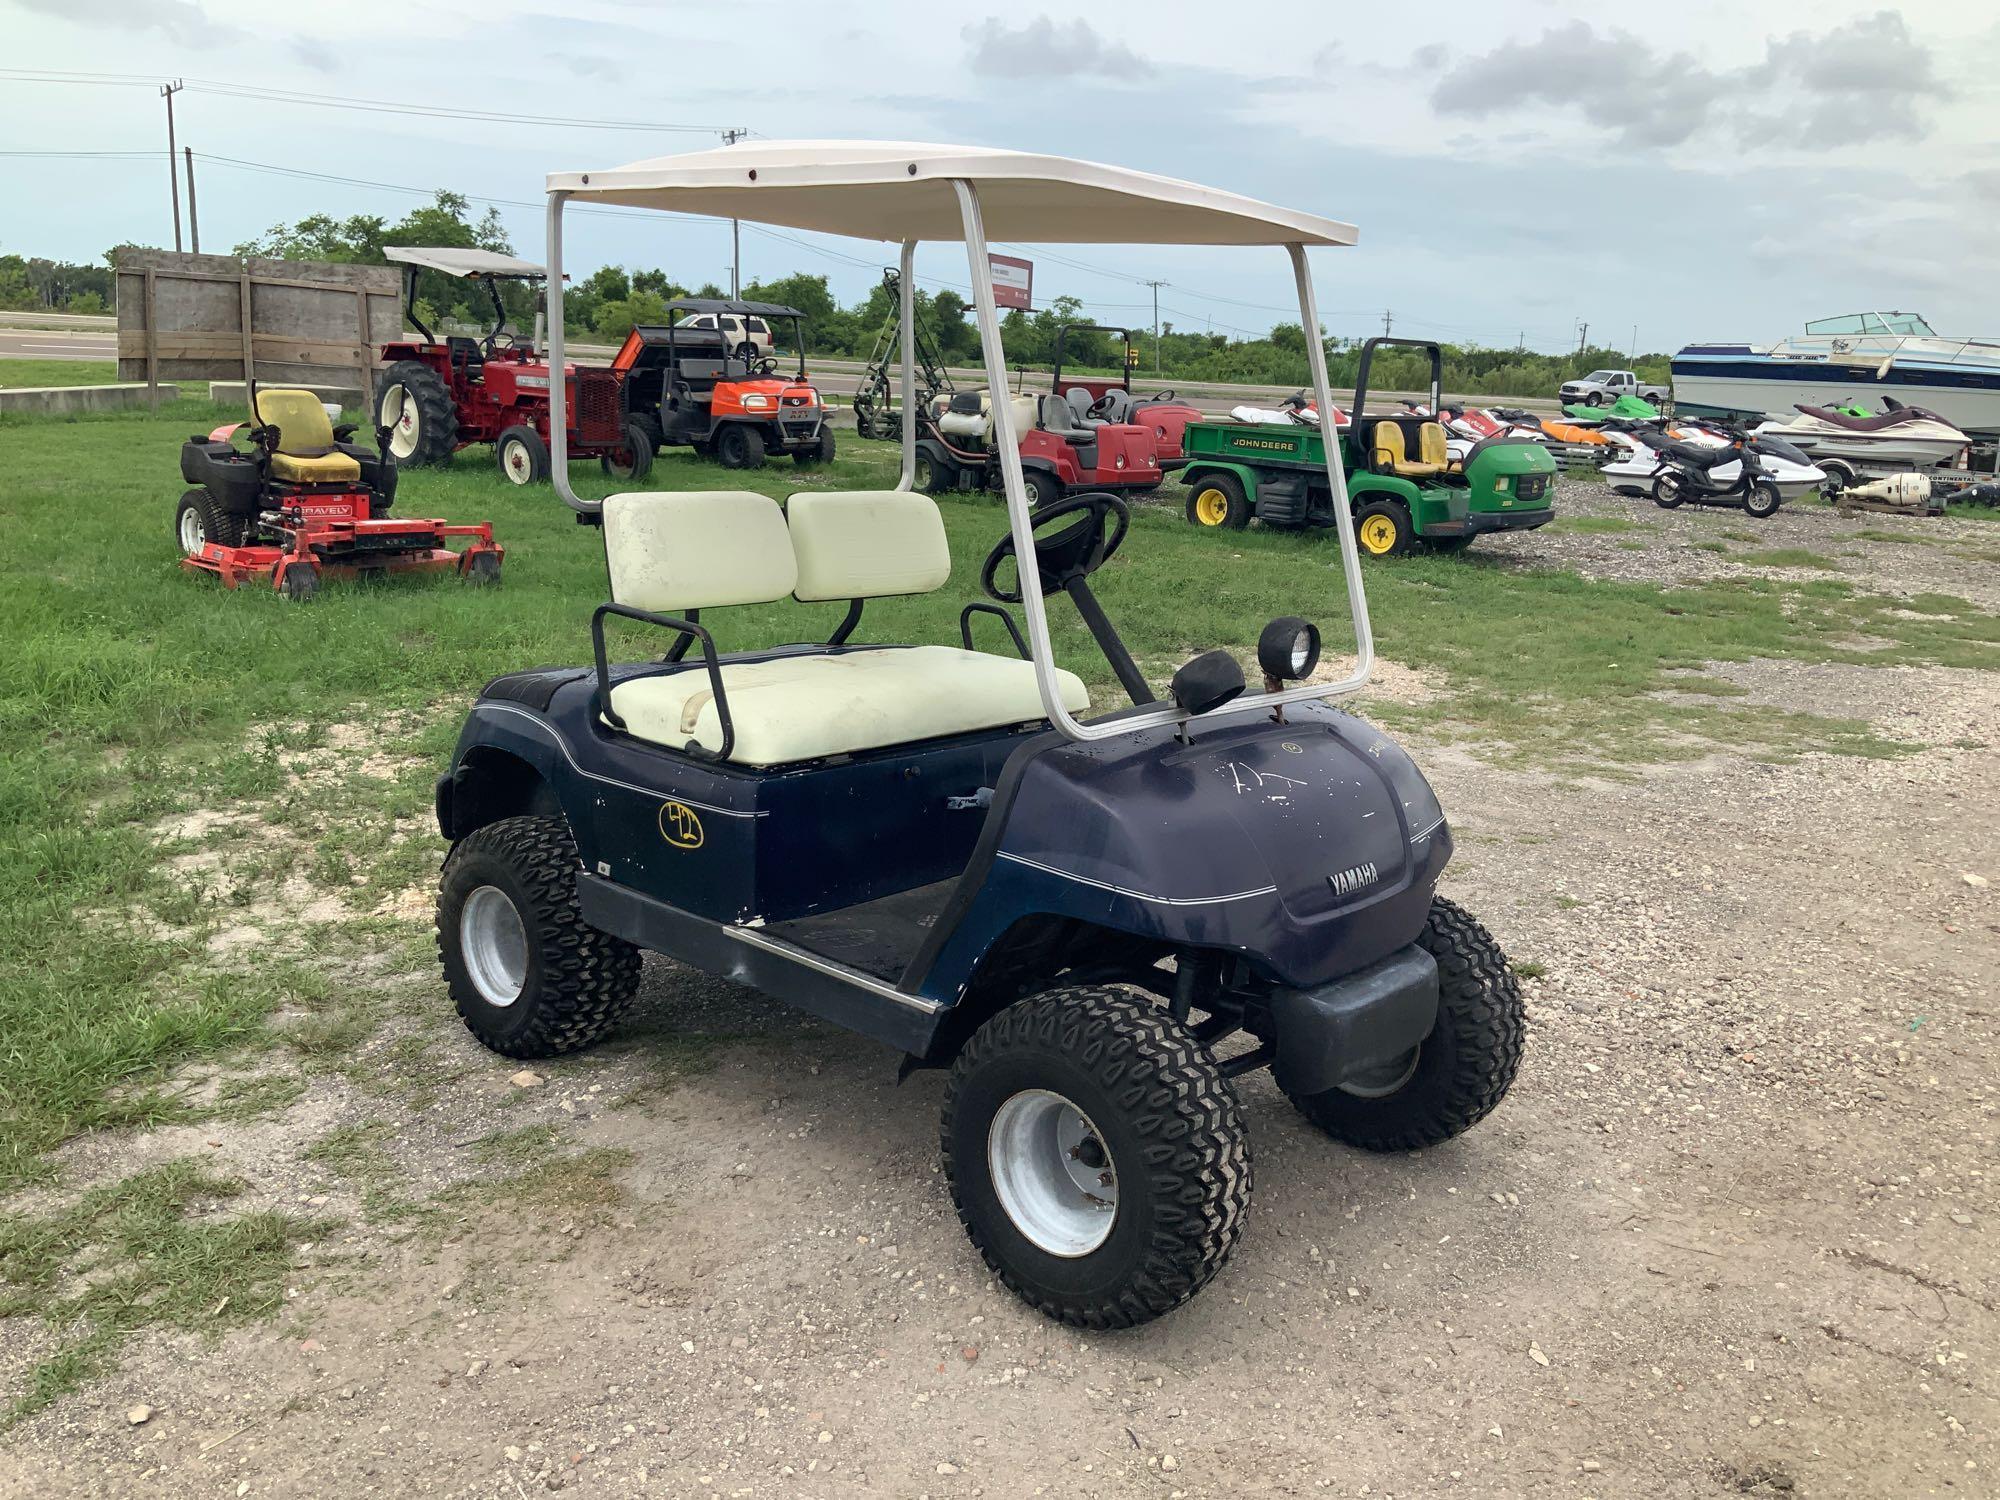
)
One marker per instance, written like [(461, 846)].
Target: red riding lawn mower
[(305, 502), (1099, 399), (442, 395)]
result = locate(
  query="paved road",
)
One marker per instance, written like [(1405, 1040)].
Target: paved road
[(836, 377)]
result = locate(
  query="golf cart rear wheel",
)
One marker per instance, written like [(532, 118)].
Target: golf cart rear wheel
[(1096, 1156), (739, 447), (529, 976), (199, 521), (416, 407), (634, 461), (522, 455), (1383, 528), (1459, 1072), (821, 452), (1763, 499), (1218, 500)]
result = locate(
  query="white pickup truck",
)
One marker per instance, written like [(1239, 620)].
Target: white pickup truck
[(1602, 387)]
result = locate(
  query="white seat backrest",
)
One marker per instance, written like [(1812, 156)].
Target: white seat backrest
[(689, 550), (867, 544)]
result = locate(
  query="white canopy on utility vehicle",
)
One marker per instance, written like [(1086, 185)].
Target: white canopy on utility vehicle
[(902, 190), (456, 262)]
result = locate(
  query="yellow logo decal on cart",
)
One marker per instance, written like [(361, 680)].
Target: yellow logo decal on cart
[(679, 826)]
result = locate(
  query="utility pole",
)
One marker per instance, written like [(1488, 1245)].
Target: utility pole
[(1156, 285), (194, 226), (730, 138), (1582, 337), (167, 92), (1388, 322)]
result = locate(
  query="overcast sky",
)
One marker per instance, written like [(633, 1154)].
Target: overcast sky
[(1515, 166)]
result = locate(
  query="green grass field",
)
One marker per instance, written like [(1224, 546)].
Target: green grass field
[(133, 693), (18, 373)]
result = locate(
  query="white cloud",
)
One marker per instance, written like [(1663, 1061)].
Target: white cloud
[(1042, 48)]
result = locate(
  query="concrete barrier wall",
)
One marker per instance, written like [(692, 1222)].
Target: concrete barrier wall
[(55, 400)]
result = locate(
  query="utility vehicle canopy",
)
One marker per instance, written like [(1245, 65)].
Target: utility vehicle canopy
[(730, 305), (910, 192), (456, 262), (902, 190)]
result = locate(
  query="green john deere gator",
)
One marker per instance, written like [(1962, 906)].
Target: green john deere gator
[(1405, 488)]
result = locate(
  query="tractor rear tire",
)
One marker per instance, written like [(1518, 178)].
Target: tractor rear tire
[(522, 456), (1459, 1072), (413, 392), (529, 976), (634, 461), (199, 520), (739, 447), (1096, 1155), (819, 453)]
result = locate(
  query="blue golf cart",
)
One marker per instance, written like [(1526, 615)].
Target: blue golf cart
[(1095, 915)]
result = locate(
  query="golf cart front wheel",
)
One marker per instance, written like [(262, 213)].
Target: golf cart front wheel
[(1096, 1156), (1383, 528), (529, 976), (1456, 1076), (1763, 499)]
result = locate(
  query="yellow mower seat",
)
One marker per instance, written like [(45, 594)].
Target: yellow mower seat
[(306, 453), (1389, 454)]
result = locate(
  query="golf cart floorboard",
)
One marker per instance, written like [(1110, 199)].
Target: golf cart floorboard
[(877, 937)]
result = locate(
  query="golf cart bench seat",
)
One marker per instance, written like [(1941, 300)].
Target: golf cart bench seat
[(670, 553), (306, 451)]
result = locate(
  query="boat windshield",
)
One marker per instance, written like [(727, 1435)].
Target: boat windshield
[(1876, 323)]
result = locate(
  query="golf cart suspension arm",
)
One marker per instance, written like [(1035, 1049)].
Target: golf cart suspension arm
[(980, 607), (686, 628)]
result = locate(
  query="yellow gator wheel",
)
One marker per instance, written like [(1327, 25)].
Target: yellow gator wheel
[(1217, 500), (1383, 529)]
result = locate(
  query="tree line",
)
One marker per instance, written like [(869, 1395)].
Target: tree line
[(605, 305)]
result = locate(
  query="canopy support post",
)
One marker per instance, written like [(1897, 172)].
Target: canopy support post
[(1336, 474), (907, 316), (558, 385)]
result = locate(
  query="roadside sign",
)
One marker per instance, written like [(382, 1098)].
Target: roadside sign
[(1013, 282)]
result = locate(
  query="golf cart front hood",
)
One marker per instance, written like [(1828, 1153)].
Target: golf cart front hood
[(1309, 846)]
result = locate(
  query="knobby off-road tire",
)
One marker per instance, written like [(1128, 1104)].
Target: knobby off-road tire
[(1168, 1122), (436, 435), (576, 982), (1463, 1068)]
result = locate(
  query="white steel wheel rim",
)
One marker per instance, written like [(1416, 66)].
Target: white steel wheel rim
[(514, 462), (194, 535), (1052, 1174), (399, 414), (493, 940)]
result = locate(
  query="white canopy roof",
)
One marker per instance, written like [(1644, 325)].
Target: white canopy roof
[(454, 262), (900, 190)]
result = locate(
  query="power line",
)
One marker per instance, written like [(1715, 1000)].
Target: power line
[(261, 94)]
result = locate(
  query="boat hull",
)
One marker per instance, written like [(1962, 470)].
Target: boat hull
[(1750, 385)]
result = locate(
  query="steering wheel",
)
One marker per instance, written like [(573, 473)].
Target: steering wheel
[(1169, 394), (766, 367), (1101, 407), (1076, 551), (499, 341)]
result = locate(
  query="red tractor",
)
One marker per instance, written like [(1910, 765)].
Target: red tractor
[(1097, 398), (445, 394)]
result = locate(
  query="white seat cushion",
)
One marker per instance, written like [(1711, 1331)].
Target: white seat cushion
[(867, 544), (673, 550), (794, 708)]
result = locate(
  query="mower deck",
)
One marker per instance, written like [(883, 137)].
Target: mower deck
[(349, 550)]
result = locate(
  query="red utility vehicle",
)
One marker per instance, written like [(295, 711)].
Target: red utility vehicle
[(444, 394), (1099, 398), (1060, 452), (305, 502)]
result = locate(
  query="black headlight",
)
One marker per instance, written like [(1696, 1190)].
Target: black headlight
[(1209, 681), (1288, 649)]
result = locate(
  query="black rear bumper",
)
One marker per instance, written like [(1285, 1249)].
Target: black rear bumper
[(1479, 522)]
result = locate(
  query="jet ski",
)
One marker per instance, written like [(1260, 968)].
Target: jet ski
[(1900, 436), (1297, 409), (1641, 445), (1626, 408)]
